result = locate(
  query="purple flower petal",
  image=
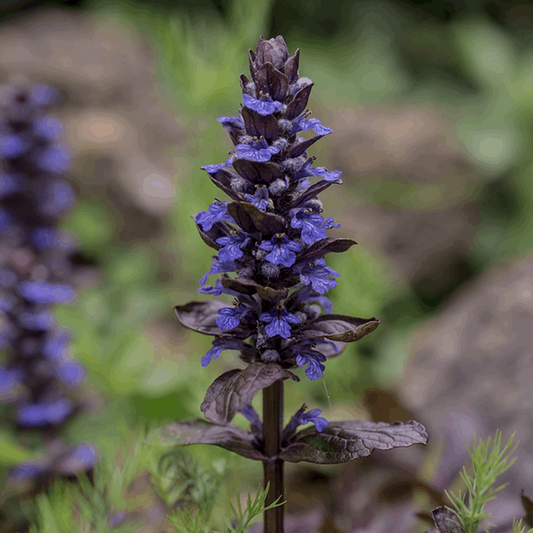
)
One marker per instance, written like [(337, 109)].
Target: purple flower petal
[(264, 106), (219, 345), (281, 250), (256, 153), (217, 212), (312, 225), (279, 320)]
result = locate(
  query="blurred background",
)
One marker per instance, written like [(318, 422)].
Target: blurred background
[(431, 104)]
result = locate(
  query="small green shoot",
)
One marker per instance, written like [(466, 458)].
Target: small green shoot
[(487, 466), (184, 522), (518, 528)]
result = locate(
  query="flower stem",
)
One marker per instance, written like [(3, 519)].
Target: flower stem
[(273, 470)]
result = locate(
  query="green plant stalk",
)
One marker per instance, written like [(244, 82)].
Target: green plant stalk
[(273, 470)]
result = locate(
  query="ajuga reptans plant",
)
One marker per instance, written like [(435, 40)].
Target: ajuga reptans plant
[(271, 242), (38, 378)]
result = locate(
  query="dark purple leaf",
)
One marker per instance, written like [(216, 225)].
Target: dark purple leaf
[(313, 191), (251, 219), (298, 149), (257, 172), (446, 521), (271, 81), (527, 503), (229, 437), (248, 286), (252, 58), (234, 132), (291, 67), (201, 317), (260, 126), (219, 229), (222, 179), (244, 82), (234, 390), (341, 328), (341, 442), (273, 51), (299, 102), (325, 246)]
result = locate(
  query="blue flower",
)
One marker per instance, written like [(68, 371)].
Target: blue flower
[(303, 124), (300, 418), (313, 359), (218, 267), (236, 121), (317, 275), (43, 95), (312, 416), (55, 159), (42, 292), (83, 454), (213, 169), (321, 300), (46, 238), (260, 198), (251, 415), (230, 317), (279, 320), (330, 223), (232, 246), (41, 414), (312, 224), (264, 106), (40, 321), (281, 250), (307, 171), (217, 290), (117, 518), (50, 129), (26, 471), (57, 198), (219, 345), (5, 221), (71, 373), (12, 146), (9, 183), (217, 212), (258, 151), (10, 384), (56, 345)]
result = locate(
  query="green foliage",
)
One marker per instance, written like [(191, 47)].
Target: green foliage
[(487, 465), (517, 527), (185, 522), (178, 476)]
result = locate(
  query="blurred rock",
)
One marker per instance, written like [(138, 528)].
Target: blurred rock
[(109, 99), (423, 246), (410, 144), (471, 370)]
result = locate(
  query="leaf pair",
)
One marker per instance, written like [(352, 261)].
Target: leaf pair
[(339, 442)]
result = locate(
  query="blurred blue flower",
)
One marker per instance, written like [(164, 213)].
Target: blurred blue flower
[(42, 414)]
